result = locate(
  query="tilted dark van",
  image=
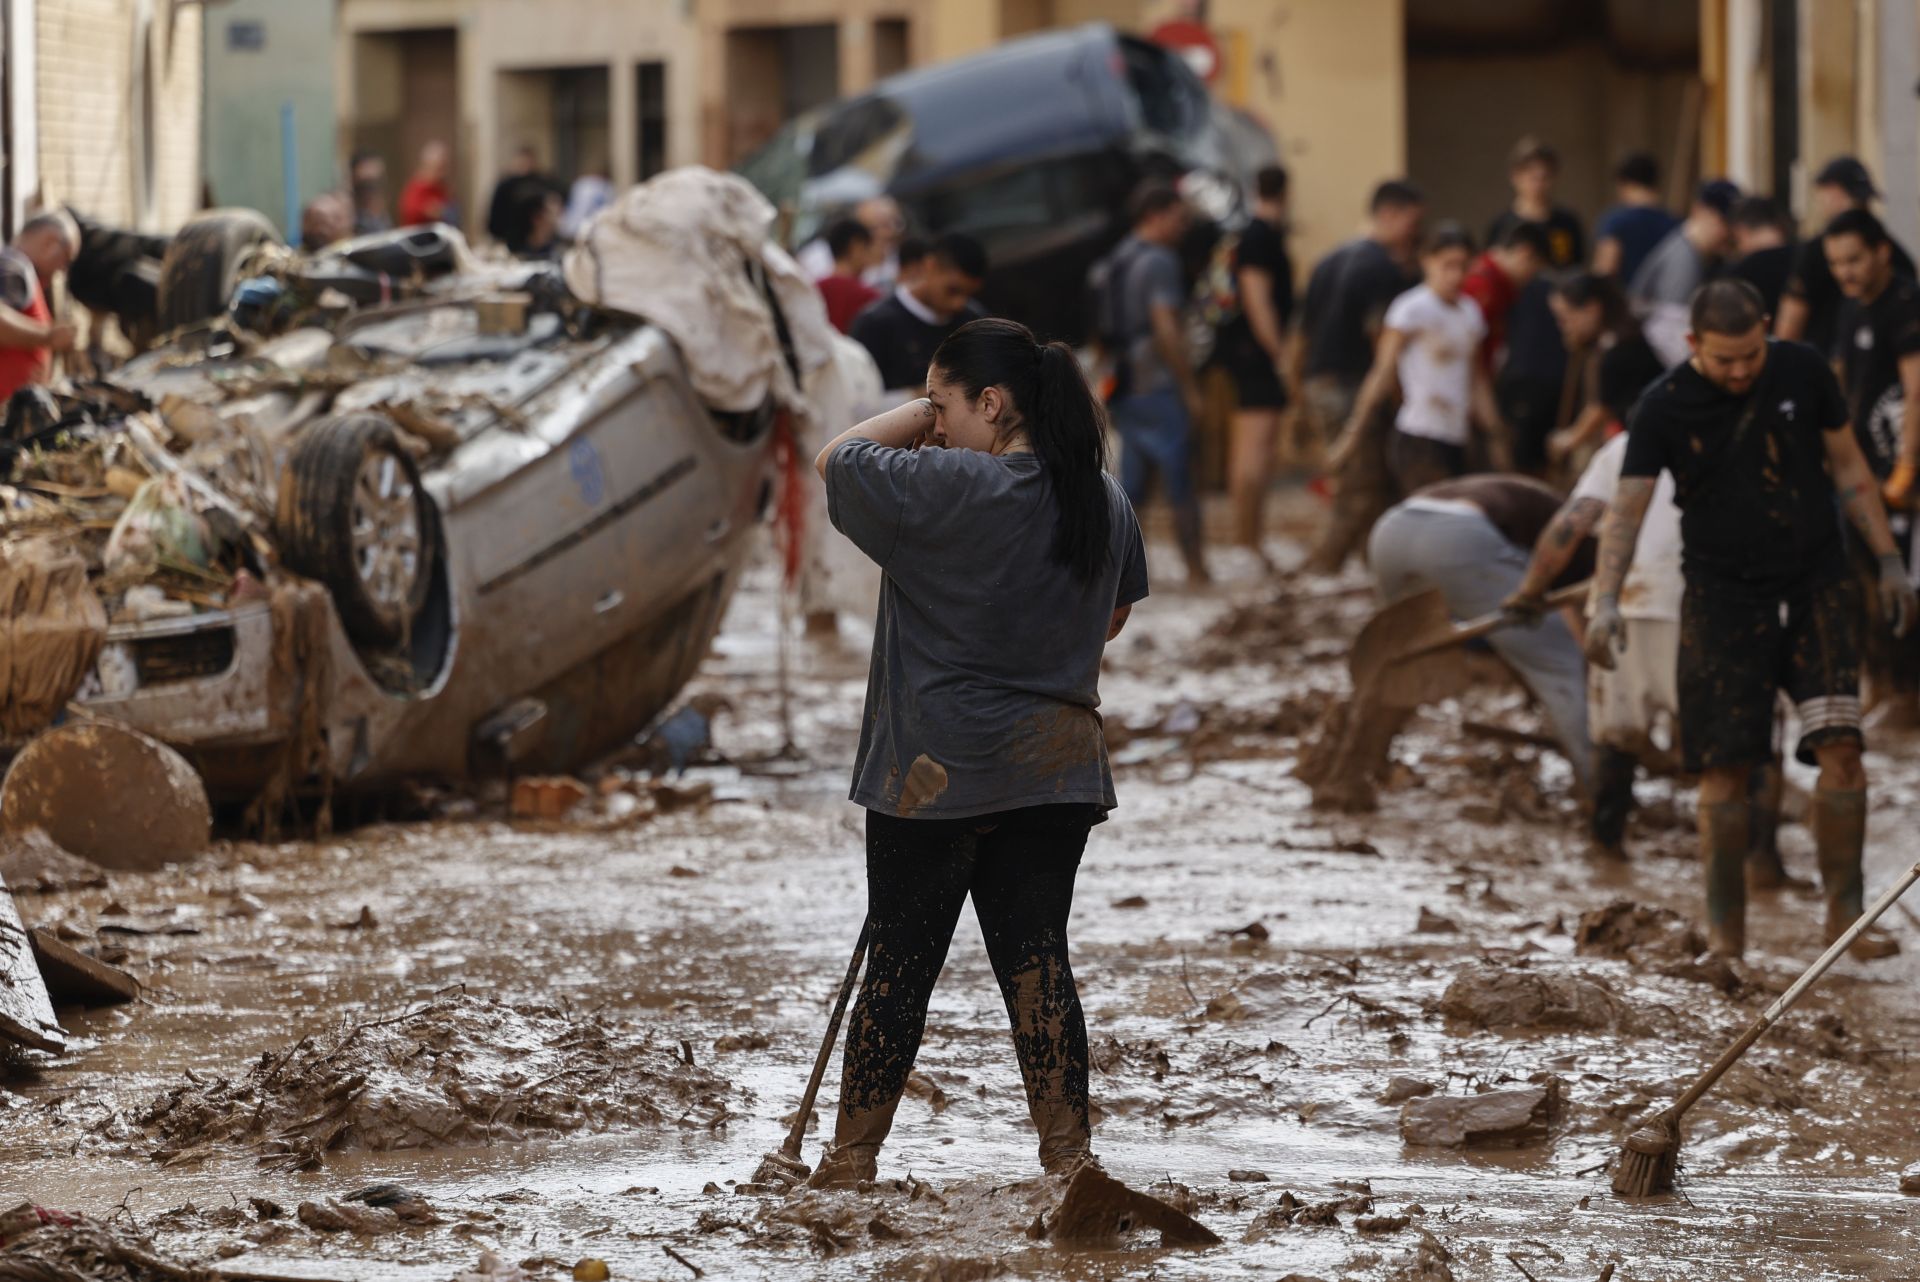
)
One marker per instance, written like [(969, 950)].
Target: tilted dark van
[(1031, 147)]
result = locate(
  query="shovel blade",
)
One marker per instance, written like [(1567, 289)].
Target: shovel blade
[(1097, 1208), (1382, 674)]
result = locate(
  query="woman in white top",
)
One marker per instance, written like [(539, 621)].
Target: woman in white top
[(1429, 350)]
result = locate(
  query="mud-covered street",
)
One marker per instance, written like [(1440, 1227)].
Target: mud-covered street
[(571, 1039)]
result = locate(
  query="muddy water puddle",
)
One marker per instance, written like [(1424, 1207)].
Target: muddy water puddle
[(1266, 987)]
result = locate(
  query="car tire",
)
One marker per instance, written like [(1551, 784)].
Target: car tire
[(353, 514), (203, 261)]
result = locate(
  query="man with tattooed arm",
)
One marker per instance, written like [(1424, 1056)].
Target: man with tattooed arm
[(1755, 434)]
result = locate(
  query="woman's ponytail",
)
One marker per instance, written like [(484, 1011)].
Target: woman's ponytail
[(1063, 422), (1068, 432)]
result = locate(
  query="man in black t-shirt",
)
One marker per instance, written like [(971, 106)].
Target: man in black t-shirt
[(903, 330), (1332, 351), (1877, 351), (1811, 305), (1755, 434)]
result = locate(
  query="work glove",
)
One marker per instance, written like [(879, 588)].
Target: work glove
[(1896, 594), (1523, 609), (1607, 632), (1898, 489)]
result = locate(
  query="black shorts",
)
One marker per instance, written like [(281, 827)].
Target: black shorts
[(1255, 381), (1419, 461), (1740, 649)]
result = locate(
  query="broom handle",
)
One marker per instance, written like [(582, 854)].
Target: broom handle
[(1785, 1001), (1474, 629), (797, 1134)]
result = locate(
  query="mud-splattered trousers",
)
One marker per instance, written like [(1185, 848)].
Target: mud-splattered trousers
[(1019, 867)]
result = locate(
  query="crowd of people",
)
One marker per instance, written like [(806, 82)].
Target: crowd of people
[(1703, 414), (1727, 411)]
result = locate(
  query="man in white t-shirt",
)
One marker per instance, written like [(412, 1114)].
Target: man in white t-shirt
[(1427, 348), (1627, 706)]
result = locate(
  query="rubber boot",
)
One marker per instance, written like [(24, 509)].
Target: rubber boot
[(1723, 851), (1612, 800), (854, 1157), (1186, 528), (1839, 823), (1765, 871), (1066, 1143)]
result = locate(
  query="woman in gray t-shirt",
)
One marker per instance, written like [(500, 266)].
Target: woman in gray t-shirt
[(1011, 558)]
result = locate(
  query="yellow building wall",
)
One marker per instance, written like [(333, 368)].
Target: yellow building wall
[(91, 131), (1328, 78)]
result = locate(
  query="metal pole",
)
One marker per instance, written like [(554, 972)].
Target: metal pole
[(290, 171)]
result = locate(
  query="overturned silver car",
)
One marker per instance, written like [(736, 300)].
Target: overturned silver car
[(485, 526)]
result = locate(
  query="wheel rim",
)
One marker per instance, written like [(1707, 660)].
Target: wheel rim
[(386, 531)]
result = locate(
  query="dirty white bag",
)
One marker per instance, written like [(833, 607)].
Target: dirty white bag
[(676, 251), (52, 627)]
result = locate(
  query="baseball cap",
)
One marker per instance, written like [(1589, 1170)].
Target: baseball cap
[(1848, 173), (1720, 195)]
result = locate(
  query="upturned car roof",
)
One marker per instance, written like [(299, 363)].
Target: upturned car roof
[(1039, 96)]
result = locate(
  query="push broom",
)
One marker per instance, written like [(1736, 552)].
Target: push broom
[(1647, 1158)]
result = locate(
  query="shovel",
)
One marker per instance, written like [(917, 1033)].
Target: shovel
[(1098, 1208), (1381, 663)]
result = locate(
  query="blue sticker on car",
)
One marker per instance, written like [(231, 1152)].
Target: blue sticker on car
[(588, 476)]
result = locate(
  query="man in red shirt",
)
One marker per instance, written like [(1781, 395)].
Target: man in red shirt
[(425, 197), (1496, 279), (855, 250), (44, 248)]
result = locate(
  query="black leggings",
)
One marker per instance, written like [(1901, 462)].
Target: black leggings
[(1019, 867)]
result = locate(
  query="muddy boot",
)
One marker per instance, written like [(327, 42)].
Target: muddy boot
[(1839, 823), (1612, 800), (1765, 871), (1723, 851), (1186, 528), (1066, 1141), (854, 1156)]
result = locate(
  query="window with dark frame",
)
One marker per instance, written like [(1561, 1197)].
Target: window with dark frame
[(650, 107)]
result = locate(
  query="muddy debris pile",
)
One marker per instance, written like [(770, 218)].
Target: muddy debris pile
[(1658, 940), (457, 1071), (1516, 998), (42, 1245)]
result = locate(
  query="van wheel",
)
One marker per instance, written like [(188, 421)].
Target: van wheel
[(203, 262), (354, 515)]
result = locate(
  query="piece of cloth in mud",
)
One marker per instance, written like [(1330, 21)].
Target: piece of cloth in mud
[(1756, 505), (682, 251), (1454, 546), (1020, 872), (52, 628), (984, 683), (1737, 649)]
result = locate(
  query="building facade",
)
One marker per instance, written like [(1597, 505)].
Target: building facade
[(103, 102), (591, 85)]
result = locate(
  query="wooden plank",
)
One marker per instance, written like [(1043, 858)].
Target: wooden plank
[(26, 1012), (75, 979)]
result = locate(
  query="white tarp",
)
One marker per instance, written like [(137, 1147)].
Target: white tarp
[(676, 251)]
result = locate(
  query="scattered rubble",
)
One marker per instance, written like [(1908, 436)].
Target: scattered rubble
[(31, 862), (458, 1070)]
